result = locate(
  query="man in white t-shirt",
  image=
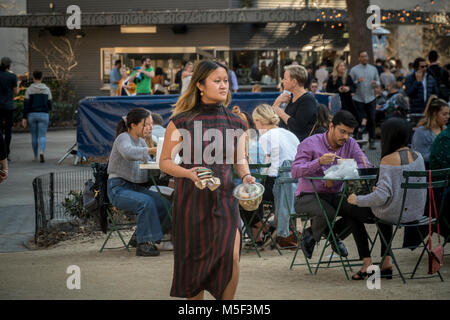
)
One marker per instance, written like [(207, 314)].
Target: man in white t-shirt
[(321, 75)]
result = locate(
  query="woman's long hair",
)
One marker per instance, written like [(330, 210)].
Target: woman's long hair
[(335, 75), (135, 116), (432, 109), (395, 134), (323, 116), (190, 99)]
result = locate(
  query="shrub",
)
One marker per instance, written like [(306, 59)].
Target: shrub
[(73, 205)]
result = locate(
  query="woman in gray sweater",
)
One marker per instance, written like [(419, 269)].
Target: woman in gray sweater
[(433, 123), (385, 202), (127, 182)]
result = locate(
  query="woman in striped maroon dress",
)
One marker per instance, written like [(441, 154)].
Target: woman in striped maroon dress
[(206, 224)]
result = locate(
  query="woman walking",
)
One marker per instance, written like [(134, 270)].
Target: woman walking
[(206, 224), (37, 104)]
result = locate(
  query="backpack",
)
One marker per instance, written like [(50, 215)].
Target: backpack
[(95, 197)]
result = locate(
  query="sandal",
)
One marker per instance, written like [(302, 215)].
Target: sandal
[(360, 275), (387, 274)]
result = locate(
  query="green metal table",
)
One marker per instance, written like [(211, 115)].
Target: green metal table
[(332, 222)]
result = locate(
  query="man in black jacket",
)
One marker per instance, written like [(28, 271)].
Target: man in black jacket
[(440, 75), (420, 85), (9, 87)]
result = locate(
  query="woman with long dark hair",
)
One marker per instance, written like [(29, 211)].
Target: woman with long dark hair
[(206, 224), (385, 201), (323, 119), (127, 183)]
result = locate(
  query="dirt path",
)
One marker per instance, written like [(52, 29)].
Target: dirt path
[(116, 274)]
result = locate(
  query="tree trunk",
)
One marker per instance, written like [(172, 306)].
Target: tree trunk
[(360, 37)]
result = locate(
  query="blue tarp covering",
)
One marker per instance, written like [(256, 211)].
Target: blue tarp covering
[(98, 116)]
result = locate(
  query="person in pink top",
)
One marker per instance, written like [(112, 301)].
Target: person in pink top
[(314, 156)]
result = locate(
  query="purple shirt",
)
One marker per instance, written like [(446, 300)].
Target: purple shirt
[(306, 163)]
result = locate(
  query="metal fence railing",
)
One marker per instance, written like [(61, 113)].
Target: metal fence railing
[(50, 192)]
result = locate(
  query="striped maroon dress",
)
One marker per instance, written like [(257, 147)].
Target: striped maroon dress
[(205, 222)]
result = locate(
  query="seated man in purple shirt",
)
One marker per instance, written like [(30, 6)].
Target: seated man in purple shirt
[(315, 155)]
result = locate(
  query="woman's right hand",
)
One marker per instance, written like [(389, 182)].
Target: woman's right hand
[(152, 151), (192, 174)]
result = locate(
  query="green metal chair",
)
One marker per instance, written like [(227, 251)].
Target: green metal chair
[(440, 179), (115, 225), (257, 171)]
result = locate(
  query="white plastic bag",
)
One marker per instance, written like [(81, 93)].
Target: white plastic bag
[(347, 169)]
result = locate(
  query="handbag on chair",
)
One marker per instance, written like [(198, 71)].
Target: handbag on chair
[(435, 255)]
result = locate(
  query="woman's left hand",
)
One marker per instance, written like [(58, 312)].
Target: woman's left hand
[(352, 199), (249, 179)]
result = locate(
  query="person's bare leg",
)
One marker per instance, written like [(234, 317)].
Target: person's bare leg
[(230, 290), (257, 234), (387, 263), (200, 296), (366, 263)]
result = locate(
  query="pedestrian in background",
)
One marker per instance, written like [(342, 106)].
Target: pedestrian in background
[(9, 87), (186, 76), (3, 161), (114, 78), (36, 106), (142, 76), (366, 78)]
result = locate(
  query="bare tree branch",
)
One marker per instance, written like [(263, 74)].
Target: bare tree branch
[(60, 59)]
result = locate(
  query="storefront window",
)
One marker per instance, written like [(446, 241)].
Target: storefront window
[(169, 63), (253, 67)]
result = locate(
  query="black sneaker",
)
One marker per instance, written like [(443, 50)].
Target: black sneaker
[(147, 249)]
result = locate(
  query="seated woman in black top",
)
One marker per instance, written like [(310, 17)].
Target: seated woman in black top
[(300, 114), (340, 82)]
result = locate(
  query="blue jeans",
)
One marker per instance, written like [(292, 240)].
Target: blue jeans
[(148, 205), (38, 122)]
